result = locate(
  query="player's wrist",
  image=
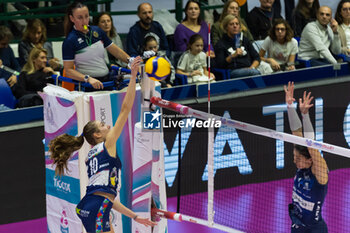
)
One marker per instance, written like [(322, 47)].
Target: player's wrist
[(135, 217), (86, 78)]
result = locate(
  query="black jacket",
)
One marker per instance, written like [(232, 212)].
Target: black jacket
[(31, 83), (221, 53), (259, 24)]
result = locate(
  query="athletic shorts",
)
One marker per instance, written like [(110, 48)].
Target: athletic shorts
[(320, 227), (93, 210)]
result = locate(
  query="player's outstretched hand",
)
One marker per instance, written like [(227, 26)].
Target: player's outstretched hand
[(145, 221), (305, 103), (289, 91), (135, 66)]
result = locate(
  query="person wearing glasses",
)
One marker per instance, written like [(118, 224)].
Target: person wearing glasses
[(230, 7), (342, 16), (280, 46), (320, 39)]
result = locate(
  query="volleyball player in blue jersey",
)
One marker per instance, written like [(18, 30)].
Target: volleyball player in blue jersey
[(311, 179), (103, 165)]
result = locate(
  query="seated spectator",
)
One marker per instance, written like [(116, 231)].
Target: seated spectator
[(230, 7), (150, 44), (318, 39), (7, 57), (146, 26), (304, 13), (280, 46), (105, 22), (33, 78), (260, 19), (83, 49), (193, 62), (35, 36), (235, 52), (343, 18), (192, 24)]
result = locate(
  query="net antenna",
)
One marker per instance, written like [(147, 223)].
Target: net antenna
[(210, 211)]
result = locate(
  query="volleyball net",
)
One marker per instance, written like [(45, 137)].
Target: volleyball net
[(252, 193)]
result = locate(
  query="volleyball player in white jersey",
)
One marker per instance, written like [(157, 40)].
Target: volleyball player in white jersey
[(103, 165), (311, 179)]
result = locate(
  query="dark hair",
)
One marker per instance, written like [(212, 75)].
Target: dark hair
[(32, 27), (139, 6), (64, 145), (303, 151), (338, 16), (5, 33), (289, 30), (193, 39), (225, 9), (199, 20), (306, 11), (148, 39), (67, 24), (113, 31)]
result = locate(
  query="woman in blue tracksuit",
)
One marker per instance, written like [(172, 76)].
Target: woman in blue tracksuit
[(311, 179), (103, 165)]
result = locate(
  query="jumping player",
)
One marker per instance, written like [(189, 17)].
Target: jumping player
[(311, 179), (103, 165)]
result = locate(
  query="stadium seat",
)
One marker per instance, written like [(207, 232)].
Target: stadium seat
[(6, 96), (180, 79)]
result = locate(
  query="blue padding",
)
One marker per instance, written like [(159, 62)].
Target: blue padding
[(21, 115), (179, 92), (6, 96)]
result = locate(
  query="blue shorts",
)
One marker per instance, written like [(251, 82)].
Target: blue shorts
[(320, 227), (93, 210)]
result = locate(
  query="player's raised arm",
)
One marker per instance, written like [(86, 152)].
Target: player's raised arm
[(294, 121), (128, 102)]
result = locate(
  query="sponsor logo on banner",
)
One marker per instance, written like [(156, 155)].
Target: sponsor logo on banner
[(103, 115), (61, 185), (64, 222)]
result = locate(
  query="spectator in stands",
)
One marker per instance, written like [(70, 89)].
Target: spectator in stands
[(35, 36), (260, 19), (318, 39), (304, 13), (151, 44), (234, 51), (280, 46), (7, 57), (192, 24), (146, 26), (84, 48), (193, 62), (230, 7), (105, 22), (288, 6), (343, 18), (34, 77)]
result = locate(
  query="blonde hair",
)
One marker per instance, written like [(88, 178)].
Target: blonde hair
[(228, 19), (34, 54)]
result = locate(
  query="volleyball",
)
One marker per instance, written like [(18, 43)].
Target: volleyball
[(157, 68)]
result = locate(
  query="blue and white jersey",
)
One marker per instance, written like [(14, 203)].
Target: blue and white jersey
[(103, 170), (87, 51), (308, 196)]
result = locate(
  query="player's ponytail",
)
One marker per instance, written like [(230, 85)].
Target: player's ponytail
[(61, 149)]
